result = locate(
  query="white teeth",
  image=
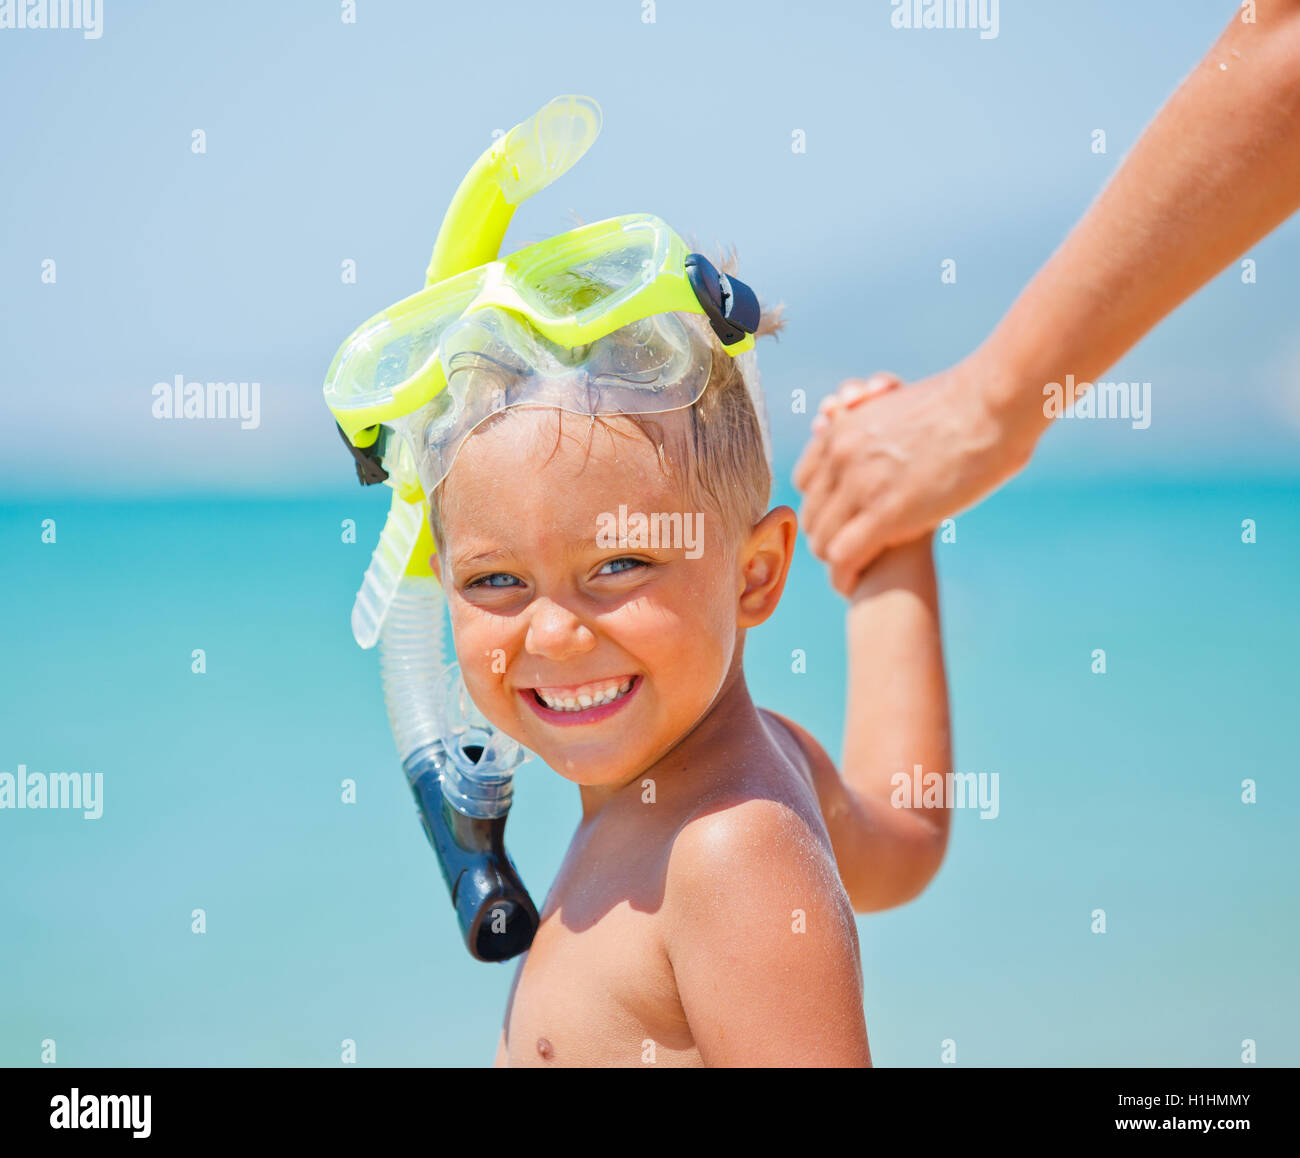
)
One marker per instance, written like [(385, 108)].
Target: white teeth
[(589, 696)]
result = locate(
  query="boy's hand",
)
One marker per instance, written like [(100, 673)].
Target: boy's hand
[(852, 392)]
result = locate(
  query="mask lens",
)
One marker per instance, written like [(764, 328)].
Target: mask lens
[(494, 360), (653, 353), (397, 345)]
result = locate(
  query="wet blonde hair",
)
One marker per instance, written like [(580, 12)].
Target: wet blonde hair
[(719, 461)]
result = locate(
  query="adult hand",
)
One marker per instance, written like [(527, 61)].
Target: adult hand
[(887, 465)]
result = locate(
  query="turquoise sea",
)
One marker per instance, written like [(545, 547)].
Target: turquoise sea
[(327, 921)]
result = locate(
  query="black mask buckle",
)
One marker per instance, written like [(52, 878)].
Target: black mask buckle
[(369, 459), (730, 305)]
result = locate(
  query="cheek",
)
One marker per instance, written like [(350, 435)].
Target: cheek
[(479, 643), (688, 629), (710, 597), (713, 632)]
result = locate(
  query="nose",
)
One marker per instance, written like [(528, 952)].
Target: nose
[(555, 632)]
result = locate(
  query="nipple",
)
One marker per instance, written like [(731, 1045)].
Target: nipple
[(545, 1048)]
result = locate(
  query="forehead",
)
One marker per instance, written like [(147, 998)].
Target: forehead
[(533, 472)]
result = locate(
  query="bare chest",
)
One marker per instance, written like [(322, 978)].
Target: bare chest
[(596, 987)]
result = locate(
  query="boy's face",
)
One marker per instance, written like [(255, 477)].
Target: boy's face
[(597, 654)]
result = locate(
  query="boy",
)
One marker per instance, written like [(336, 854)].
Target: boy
[(703, 914)]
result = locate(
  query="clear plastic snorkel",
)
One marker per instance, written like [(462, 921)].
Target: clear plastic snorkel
[(459, 768)]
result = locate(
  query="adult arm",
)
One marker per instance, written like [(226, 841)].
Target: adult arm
[(1217, 169)]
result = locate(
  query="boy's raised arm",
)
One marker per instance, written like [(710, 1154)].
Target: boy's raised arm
[(896, 735), (896, 726)]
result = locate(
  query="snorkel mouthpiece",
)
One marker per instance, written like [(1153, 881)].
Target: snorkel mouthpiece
[(462, 785), (497, 917)]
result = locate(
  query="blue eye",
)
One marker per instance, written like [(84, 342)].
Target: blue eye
[(620, 565), (490, 580)]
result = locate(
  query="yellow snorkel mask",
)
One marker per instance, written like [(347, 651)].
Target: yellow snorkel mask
[(590, 322)]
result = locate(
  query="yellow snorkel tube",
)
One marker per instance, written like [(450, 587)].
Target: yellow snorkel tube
[(459, 768)]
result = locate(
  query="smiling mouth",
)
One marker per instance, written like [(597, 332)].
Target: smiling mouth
[(581, 703)]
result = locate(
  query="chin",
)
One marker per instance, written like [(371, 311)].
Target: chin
[(593, 769)]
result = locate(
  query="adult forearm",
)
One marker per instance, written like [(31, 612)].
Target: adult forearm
[(1216, 170)]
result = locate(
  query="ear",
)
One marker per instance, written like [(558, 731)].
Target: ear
[(764, 564)]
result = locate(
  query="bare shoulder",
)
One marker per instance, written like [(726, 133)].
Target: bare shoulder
[(761, 827), (762, 939), (757, 843)]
